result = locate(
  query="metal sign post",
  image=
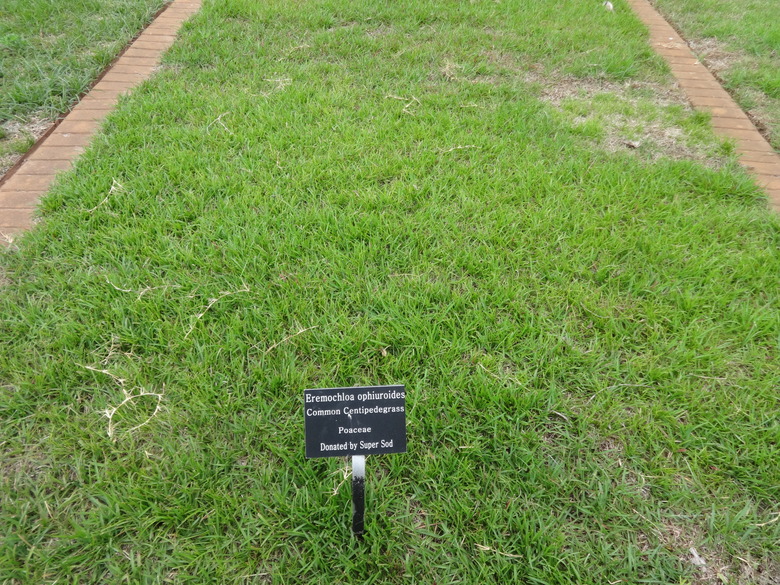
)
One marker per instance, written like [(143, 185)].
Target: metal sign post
[(358, 493), (355, 422)]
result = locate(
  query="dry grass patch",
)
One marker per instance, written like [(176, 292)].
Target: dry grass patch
[(556, 88), (712, 564), (21, 464), (4, 280), (17, 137), (655, 140), (714, 54), (382, 30), (754, 572), (645, 118)]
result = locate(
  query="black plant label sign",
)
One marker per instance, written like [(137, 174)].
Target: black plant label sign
[(368, 420)]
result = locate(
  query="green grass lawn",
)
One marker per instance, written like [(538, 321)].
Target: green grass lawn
[(491, 203), (50, 52), (740, 41)]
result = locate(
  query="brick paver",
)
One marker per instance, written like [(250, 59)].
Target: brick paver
[(23, 186), (705, 93)]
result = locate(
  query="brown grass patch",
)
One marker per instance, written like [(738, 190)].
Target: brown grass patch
[(349, 24), (419, 515), (24, 466), (555, 89), (754, 572), (713, 54), (638, 482), (172, 67), (709, 563), (660, 140), (382, 30), (649, 138), (712, 564), (507, 61), (31, 129), (451, 71), (611, 445), (655, 139)]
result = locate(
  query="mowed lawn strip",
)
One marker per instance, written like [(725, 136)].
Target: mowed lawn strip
[(50, 52), (361, 193), (740, 41)]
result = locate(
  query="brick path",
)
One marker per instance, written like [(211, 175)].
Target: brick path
[(23, 186), (705, 93)]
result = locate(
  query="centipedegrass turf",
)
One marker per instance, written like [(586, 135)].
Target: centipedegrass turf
[(353, 192)]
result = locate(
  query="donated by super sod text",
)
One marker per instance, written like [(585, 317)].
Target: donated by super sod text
[(355, 421)]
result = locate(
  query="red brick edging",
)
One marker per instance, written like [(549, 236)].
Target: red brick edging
[(706, 93), (24, 184)]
